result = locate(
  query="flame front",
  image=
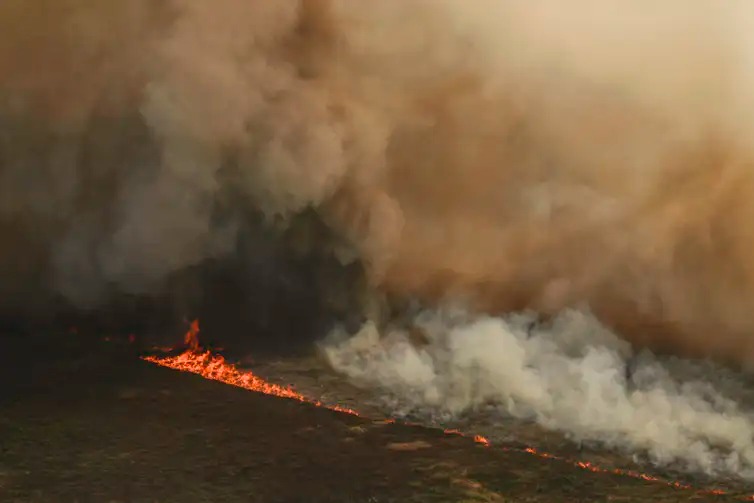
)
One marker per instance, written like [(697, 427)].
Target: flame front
[(214, 367)]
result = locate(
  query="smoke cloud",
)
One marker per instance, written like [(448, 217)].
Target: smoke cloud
[(572, 375), (515, 155)]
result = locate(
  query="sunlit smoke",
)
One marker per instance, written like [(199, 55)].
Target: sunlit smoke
[(519, 155)]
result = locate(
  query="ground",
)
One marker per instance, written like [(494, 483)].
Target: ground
[(93, 423)]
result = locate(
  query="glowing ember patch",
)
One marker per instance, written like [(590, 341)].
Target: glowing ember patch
[(585, 465), (214, 367)]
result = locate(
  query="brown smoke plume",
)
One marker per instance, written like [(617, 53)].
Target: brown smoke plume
[(512, 153)]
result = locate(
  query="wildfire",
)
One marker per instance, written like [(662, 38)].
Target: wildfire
[(585, 465), (214, 367)]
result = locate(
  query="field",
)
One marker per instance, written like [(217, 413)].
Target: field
[(92, 422)]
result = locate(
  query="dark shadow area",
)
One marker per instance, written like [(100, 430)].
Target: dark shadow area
[(273, 295)]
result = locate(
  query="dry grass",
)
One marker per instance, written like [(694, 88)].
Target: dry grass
[(103, 426)]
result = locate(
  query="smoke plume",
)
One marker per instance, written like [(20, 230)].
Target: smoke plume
[(516, 155), (571, 375)]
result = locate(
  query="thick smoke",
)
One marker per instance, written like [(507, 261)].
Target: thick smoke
[(571, 374), (518, 155)]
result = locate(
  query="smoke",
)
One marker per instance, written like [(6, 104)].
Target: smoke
[(516, 155), (571, 374)]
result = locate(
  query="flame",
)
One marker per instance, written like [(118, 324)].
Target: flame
[(214, 367), (585, 465), (192, 336)]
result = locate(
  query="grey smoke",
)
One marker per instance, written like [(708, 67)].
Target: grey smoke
[(568, 375)]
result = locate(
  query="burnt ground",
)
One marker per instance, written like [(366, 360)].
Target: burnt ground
[(87, 421)]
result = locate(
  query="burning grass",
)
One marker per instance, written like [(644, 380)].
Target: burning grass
[(213, 366)]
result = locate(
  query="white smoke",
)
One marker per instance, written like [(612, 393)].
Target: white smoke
[(571, 374)]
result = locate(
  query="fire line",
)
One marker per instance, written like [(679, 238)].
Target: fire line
[(214, 367)]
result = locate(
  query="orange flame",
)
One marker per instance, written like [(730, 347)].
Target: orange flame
[(192, 336), (214, 367)]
